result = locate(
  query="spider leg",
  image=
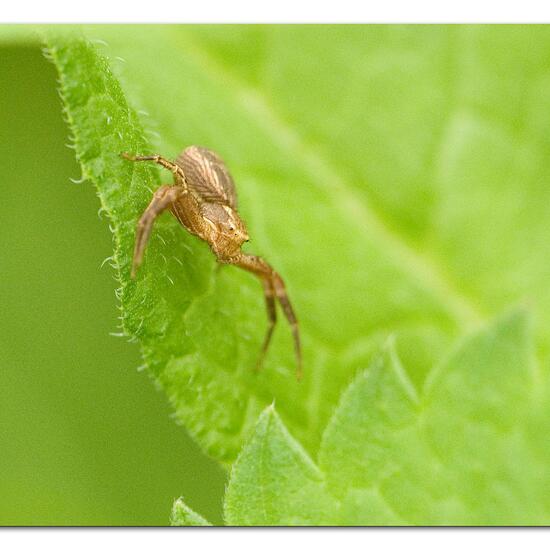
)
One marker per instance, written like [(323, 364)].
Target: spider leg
[(273, 287), (163, 199), (172, 166), (282, 296), (269, 294)]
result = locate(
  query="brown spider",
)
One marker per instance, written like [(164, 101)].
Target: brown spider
[(203, 199)]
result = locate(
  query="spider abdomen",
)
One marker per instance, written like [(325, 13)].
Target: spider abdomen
[(208, 176)]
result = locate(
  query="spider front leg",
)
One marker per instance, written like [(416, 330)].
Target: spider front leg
[(172, 166), (274, 287), (282, 296), (162, 200), (269, 294)]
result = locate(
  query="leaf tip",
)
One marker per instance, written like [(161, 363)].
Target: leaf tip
[(398, 370), (268, 414), (183, 516), (509, 335)]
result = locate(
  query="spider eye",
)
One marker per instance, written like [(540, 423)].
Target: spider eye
[(231, 228)]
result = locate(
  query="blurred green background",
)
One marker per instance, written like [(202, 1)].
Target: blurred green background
[(85, 438)]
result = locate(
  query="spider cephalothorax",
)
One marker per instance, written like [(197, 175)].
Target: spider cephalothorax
[(227, 231), (204, 201)]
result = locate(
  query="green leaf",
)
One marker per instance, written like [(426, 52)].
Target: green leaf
[(274, 482), (378, 405), (183, 516), (461, 453), (445, 476), (439, 132), (200, 328)]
